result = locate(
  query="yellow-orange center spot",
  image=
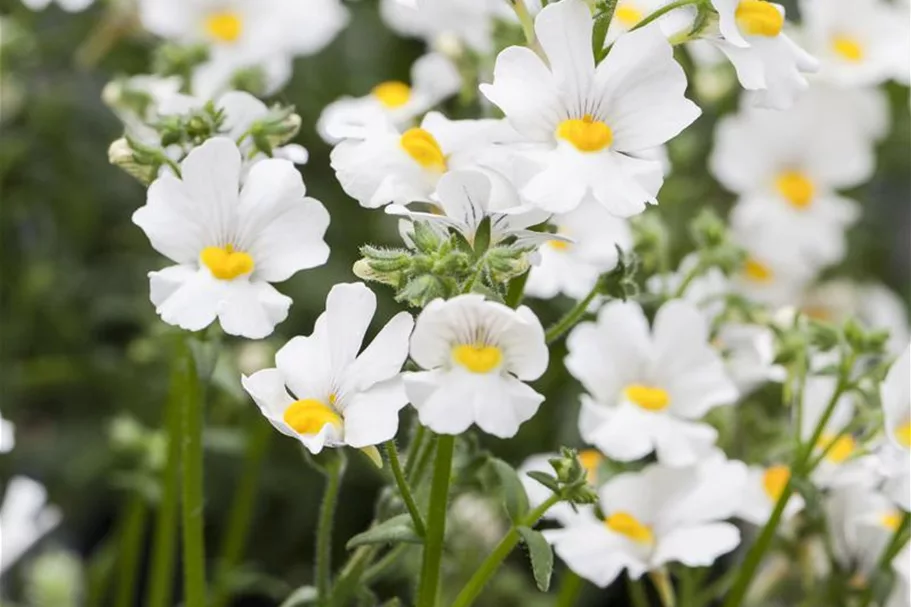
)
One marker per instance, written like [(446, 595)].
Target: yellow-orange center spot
[(891, 520), (647, 397), (774, 480), (842, 447), (756, 271), (558, 245), (392, 93), (477, 358), (224, 26), (628, 15), (590, 459), (903, 435), (848, 48), (225, 263), (818, 312), (586, 134), (759, 18), (796, 188), (308, 416), (628, 525), (423, 148)]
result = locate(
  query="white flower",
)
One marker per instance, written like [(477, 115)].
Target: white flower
[(7, 435), (386, 165), (895, 393), (230, 240), (337, 396), (749, 355), (590, 459), (584, 127), (478, 354), (656, 516), (245, 33), (858, 42), (901, 590), (706, 291), (762, 490), (25, 517), (446, 24), (70, 6), (628, 14), (765, 58), (648, 389), (572, 266), (769, 275), (861, 523), (433, 79)]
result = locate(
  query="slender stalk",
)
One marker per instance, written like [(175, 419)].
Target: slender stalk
[(516, 290), (194, 553), (436, 522), (636, 591), (379, 568), (417, 443), (333, 472), (242, 507), (663, 11), (898, 541), (688, 279), (662, 581), (404, 489), (421, 461), (570, 588), (161, 577), (489, 567), (572, 318), (347, 581), (131, 536)]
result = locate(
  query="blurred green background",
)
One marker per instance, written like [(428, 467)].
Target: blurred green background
[(80, 343)]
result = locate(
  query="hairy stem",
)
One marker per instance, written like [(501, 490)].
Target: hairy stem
[(333, 472), (194, 553), (436, 522), (572, 318), (404, 489)]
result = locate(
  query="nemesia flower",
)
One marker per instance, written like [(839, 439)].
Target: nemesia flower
[(762, 489), (245, 34), (860, 522), (446, 24), (25, 517), (433, 79), (901, 588), (706, 291), (572, 266), (653, 517), (583, 127), (590, 459), (337, 397), (478, 354), (647, 389), (230, 240), (70, 6), (769, 275), (628, 14), (895, 394), (858, 42), (7, 435)]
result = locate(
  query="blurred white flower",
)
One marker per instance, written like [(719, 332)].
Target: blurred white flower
[(70, 6), (761, 492), (572, 266), (478, 354), (858, 42), (628, 14), (647, 389), (895, 393), (656, 516), (433, 79), (901, 589), (769, 276), (706, 291), (242, 34), (766, 59), (749, 355), (582, 127), (446, 25), (860, 522), (7, 435), (339, 397), (230, 240), (25, 517)]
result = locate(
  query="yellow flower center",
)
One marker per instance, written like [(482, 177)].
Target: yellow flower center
[(891, 520), (756, 271), (628, 525), (796, 188), (423, 148), (647, 397), (224, 26), (586, 134), (774, 481), (903, 434), (759, 18), (590, 460), (308, 416), (842, 447), (225, 263), (628, 15), (848, 48), (558, 245), (392, 93), (477, 358)]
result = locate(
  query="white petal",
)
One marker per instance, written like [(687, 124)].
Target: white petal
[(241, 110), (696, 546), (623, 433), (267, 387), (251, 309), (211, 177), (349, 310), (444, 404), (564, 30), (503, 404), (594, 553), (305, 365), (524, 346), (385, 355), (372, 416), (175, 224), (189, 301)]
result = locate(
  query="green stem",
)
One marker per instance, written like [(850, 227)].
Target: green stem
[(194, 554), (404, 490), (131, 536), (516, 290), (417, 443), (436, 522), (333, 471), (663, 11), (377, 570), (572, 318), (662, 581), (476, 584), (346, 584), (570, 588), (421, 461), (692, 275), (242, 507), (898, 541), (636, 591), (161, 577)]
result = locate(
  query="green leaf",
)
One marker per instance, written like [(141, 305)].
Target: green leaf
[(548, 480), (541, 555), (394, 530), (511, 489), (304, 595), (482, 237)]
